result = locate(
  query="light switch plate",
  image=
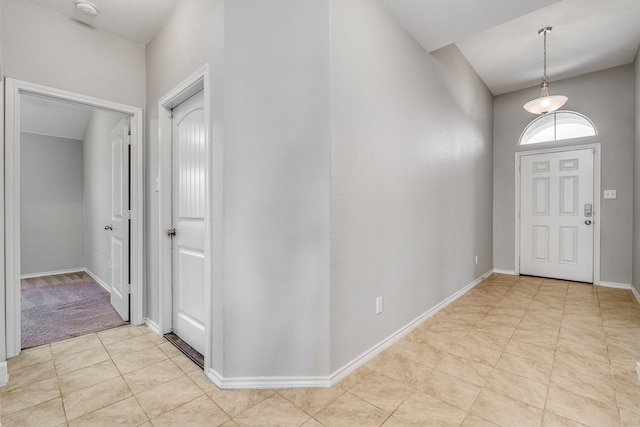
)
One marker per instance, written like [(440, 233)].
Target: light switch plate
[(609, 194)]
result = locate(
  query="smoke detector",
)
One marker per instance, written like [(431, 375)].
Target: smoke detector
[(86, 7)]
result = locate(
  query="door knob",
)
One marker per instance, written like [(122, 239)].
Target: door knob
[(171, 232), (588, 222), (108, 227)]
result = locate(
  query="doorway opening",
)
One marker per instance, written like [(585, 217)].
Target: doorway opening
[(184, 186), (33, 217), (70, 170), (557, 206)]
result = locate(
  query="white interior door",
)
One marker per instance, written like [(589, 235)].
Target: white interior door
[(120, 218), (189, 174), (556, 215)]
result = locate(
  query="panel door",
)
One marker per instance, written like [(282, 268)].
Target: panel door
[(189, 178), (556, 227), (120, 218)]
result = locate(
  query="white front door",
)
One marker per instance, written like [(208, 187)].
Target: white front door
[(120, 218), (189, 175), (557, 215)]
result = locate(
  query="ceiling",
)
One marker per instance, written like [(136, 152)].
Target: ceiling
[(136, 20), (46, 116), (500, 38)]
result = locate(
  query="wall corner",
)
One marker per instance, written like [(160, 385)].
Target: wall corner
[(4, 374)]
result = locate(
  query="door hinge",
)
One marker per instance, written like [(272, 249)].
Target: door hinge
[(128, 139), (128, 214), (170, 113), (127, 289)]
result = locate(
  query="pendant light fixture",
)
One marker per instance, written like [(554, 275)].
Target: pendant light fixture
[(545, 103)]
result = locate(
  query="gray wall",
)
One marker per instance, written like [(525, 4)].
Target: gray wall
[(636, 173), (411, 194), (97, 192), (42, 46), (276, 183), (606, 97), (51, 204), (393, 143)]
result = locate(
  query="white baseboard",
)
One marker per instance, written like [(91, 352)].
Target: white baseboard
[(70, 271), (98, 280), (266, 382), (4, 374), (337, 376), (52, 273), (341, 373), (615, 285), (153, 326), (626, 286), (486, 275), (215, 377), (509, 272)]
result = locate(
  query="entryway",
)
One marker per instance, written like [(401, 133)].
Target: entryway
[(124, 216), (558, 213)]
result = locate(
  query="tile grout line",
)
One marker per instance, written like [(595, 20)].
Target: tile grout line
[(494, 367), (545, 410), (55, 368)]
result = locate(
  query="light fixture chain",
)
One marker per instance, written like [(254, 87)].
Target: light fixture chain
[(545, 103), (545, 55)]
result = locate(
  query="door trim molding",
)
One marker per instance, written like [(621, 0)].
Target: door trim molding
[(11, 173), (596, 201), (199, 80)]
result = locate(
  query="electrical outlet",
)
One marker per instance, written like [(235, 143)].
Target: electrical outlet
[(609, 194), (476, 259), (379, 305)]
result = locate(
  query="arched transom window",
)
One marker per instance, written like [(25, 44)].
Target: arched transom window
[(556, 126)]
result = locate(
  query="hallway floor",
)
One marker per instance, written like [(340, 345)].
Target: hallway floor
[(514, 351)]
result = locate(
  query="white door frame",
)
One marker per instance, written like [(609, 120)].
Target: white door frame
[(4, 376), (199, 80), (11, 173), (596, 201)]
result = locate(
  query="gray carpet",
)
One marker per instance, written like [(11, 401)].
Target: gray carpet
[(64, 306)]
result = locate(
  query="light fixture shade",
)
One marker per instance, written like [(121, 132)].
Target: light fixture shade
[(545, 104)]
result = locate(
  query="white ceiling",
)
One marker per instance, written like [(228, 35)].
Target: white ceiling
[(438, 23), (500, 37), (45, 116), (136, 20)]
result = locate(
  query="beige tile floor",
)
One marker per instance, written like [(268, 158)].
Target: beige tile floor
[(514, 351)]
